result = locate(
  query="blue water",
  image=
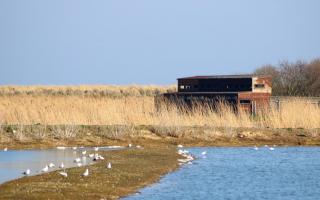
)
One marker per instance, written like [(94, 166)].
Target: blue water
[(242, 173), (14, 162)]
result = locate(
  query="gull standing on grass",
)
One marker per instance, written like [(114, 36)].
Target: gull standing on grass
[(64, 174), (45, 169), (109, 166), (86, 173)]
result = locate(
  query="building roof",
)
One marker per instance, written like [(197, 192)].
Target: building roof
[(223, 76)]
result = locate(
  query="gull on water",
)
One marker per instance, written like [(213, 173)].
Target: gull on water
[(204, 153), (109, 166), (63, 174), (61, 148), (86, 173), (51, 165), (271, 148), (27, 172), (91, 155), (98, 157), (255, 148), (96, 149), (5, 149), (74, 148), (84, 152), (45, 169), (61, 165), (180, 146)]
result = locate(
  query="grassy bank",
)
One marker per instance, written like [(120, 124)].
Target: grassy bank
[(131, 170), (44, 136)]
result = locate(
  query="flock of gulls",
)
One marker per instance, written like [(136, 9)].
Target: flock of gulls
[(188, 158), (78, 161)]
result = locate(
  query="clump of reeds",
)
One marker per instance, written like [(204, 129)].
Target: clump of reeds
[(132, 110)]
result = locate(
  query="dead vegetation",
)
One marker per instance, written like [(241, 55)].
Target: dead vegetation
[(134, 111)]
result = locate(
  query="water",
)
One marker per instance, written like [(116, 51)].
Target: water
[(14, 162), (242, 173)]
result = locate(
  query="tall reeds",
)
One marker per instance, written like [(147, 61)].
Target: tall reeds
[(140, 110)]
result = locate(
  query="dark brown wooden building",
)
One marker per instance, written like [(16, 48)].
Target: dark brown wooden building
[(248, 92)]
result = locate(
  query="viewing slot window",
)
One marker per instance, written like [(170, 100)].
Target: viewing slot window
[(245, 101), (259, 86)]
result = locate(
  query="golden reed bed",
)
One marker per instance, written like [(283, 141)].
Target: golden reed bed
[(32, 105)]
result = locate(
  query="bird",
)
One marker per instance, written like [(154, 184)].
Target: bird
[(79, 164), (86, 173), (51, 165), (77, 160), (84, 152), (96, 149), (271, 148), (130, 145), (61, 148), (27, 172), (63, 174), (180, 146), (91, 155), (45, 169), (74, 148), (109, 166), (204, 153), (138, 146), (255, 148), (5, 149), (61, 165)]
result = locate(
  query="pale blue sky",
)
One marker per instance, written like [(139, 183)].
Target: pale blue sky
[(150, 42)]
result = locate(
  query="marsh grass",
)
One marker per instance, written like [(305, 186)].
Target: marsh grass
[(87, 90), (135, 110)]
